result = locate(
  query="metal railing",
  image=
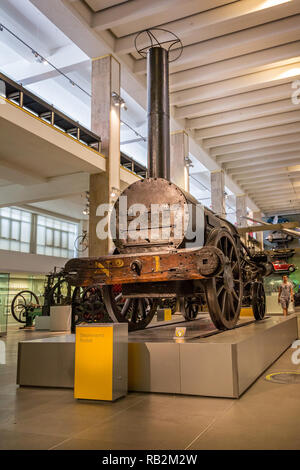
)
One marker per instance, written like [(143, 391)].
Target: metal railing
[(133, 166), (19, 95), (35, 105)]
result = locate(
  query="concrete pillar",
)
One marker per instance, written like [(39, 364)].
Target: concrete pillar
[(217, 182), (104, 187), (179, 171), (241, 210), (259, 235)]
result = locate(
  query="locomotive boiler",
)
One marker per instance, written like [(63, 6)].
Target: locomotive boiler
[(167, 245)]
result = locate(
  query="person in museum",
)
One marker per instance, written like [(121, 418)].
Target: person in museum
[(285, 294)]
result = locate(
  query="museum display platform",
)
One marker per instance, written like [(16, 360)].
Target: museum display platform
[(205, 362)]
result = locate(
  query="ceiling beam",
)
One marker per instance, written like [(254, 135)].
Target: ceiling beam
[(258, 153), (65, 58), (233, 86), (239, 115), (203, 24), (230, 68), (268, 184), (235, 44), (249, 125), (265, 227), (54, 188), (257, 176), (267, 159), (283, 199), (284, 190), (128, 11), (277, 175), (278, 209), (271, 193), (264, 166), (234, 102), (18, 175), (247, 136), (256, 145)]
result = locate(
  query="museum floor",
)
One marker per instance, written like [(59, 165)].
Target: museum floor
[(265, 417)]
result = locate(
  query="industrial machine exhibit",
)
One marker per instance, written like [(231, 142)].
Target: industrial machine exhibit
[(149, 228)]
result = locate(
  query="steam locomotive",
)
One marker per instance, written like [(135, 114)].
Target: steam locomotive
[(191, 253)]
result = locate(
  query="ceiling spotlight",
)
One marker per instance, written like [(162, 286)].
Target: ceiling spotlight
[(86, 211), (117, 100), (188, 162), (114, 192), (1, 27)]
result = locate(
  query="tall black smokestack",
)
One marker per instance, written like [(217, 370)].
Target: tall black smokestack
[(158, 113)]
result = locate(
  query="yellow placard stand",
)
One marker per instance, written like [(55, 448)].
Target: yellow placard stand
[(101, 361), (246, 312), (164, 314)]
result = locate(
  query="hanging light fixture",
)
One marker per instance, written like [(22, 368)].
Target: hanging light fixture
[(86, 210), (118, 100)]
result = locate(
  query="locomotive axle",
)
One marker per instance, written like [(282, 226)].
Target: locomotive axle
[(200, 263)]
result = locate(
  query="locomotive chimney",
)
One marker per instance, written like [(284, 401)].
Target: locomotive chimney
[(158, 113)]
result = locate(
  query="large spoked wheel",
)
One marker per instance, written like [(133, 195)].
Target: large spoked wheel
[(61, 293), (81, 243), (93, 306), (169, 302), (25, 301), (191, 308), (88, 306), (138, 313), (258, 300), (224, 292), (77, 307)]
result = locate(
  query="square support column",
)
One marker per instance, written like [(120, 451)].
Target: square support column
[(104, 187), (259, 235), (217, 181), (179, 171), (241, 210)]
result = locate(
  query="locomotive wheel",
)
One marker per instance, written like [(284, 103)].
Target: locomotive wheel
[(93, 306), (258, 300), (191, 309), (77, 308), (138, 313), (224, 292), (170, 303), (88, 305), (22, 303), (60, 294)]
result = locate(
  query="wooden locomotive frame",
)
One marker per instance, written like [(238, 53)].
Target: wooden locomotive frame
[(218, 270)]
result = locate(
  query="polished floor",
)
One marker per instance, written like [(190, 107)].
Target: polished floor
[(265, 417)]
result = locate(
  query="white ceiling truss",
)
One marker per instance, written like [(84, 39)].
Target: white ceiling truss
[(232, 87)]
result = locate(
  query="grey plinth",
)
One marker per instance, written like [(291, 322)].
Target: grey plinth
[(222, 365), (217, 365), (47, 362)]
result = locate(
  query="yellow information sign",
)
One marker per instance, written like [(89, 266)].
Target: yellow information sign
[(94, 363)]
